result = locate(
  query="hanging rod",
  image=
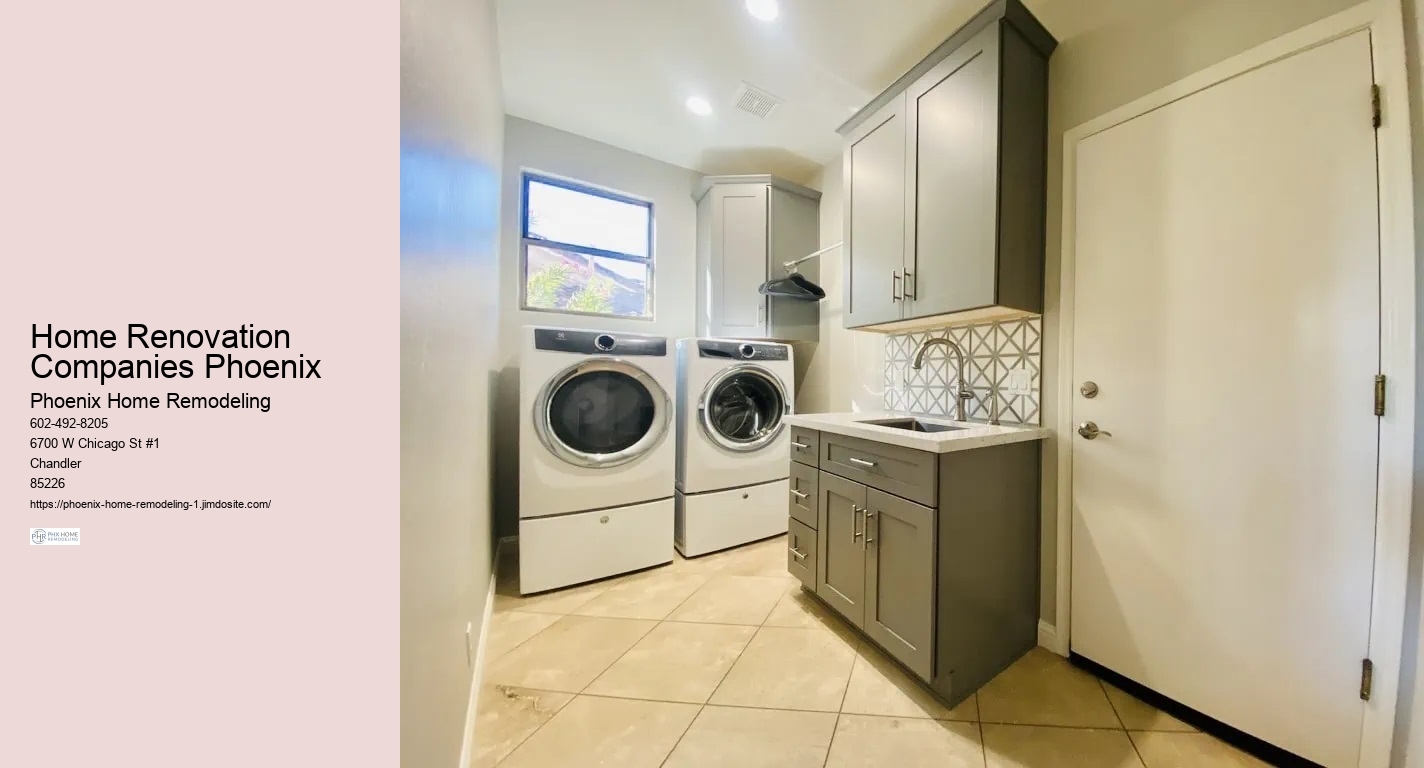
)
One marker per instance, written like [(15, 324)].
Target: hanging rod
[(790, 266)]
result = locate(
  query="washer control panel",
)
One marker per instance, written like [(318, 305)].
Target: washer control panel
[(742, 350), (599, 343)]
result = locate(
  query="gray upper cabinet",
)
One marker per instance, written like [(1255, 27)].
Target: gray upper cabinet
[(951, 122), (900, 579), (949, 165), (747, 227), (874, 218)]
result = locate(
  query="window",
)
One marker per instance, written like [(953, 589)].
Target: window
[(585, 251)]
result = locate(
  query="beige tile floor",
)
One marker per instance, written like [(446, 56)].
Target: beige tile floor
[(723, 661)]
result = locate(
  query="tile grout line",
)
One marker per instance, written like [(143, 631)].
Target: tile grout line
[(855, 655), (579, 693), (1104, 688), (575, 695), (515, 647), (703, 707), (537, 728), (983, 746)]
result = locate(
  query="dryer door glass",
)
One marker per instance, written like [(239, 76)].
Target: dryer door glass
[(742, 408), (601, 412)]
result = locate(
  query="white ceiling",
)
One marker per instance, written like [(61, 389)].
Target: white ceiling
[(618, 71)]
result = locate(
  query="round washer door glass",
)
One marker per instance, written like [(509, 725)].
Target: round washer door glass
[(742, 408), (602, 413)]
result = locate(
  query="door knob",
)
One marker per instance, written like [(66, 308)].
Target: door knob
[(1088, 430)]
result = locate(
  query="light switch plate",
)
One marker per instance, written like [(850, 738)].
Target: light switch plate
[(1020, 382)]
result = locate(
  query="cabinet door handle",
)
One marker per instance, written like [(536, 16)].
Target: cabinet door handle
[(868, 516), (895, 286), (855, 512), (799, 446), (861, 462), (909, 288), (797, 494), (798, 554)]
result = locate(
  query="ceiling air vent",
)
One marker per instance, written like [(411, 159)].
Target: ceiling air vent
[(754, 100)]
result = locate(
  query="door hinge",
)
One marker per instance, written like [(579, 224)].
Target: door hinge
[(1367, 679), (1379, 395), (1375, 105)]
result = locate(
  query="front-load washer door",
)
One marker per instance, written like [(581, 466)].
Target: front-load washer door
[(741, 408), (601, 412)]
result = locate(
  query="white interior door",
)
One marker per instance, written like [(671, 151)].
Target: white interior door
[(1226, 303)]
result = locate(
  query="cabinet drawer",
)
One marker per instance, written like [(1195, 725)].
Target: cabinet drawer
[(801, 552), (905, 472), (805, 445), (804, 495)]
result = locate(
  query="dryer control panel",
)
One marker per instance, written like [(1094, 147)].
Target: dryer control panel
[(742, 350), (599, 343)]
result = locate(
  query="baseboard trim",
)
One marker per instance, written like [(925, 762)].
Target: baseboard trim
[(467, 745), (1048, 638)]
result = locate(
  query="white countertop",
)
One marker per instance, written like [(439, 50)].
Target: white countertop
[(970, 435)]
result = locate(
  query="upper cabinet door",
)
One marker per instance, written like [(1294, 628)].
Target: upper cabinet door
[(874, 217), (952, 126), (738, 260)]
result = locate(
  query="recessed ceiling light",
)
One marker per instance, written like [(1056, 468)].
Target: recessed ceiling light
[(766, 10), (698, 105)]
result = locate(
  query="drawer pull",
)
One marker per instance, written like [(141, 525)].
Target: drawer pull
[(861, 462), (799, 446), (798, 494), (798, 554)]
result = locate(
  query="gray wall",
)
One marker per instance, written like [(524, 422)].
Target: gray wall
[(536, 147), (845, 370), (452, 120)]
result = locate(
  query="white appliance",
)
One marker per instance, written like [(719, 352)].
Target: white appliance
[(596, 464), (732, 445)]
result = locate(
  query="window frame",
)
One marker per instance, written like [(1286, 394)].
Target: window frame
[(525, 178)]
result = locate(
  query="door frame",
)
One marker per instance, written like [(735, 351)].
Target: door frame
[(1384, 19)]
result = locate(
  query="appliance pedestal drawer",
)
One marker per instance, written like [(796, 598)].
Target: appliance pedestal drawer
[(561, 550), (707, 522)]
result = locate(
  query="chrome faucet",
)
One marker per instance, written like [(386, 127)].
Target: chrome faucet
[(964, 392)]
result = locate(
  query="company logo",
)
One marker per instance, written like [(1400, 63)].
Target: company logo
[(53, 536)]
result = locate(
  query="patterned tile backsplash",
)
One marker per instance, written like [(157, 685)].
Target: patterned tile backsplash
[(993, 351)]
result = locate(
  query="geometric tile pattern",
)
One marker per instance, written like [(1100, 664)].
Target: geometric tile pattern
[(992, 351)]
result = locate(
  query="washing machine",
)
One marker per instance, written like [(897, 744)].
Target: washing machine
[(732, 445), (596, 455)]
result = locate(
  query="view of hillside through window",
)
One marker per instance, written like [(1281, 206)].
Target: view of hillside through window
[(585, 250)]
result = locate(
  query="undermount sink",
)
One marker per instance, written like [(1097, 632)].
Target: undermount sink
[(913, 425)]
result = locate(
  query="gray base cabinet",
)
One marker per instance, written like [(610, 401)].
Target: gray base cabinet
[(840, 567), (948, 589), (900, 579)]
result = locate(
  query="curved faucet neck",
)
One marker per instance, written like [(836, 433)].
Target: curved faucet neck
[(931, 342)]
